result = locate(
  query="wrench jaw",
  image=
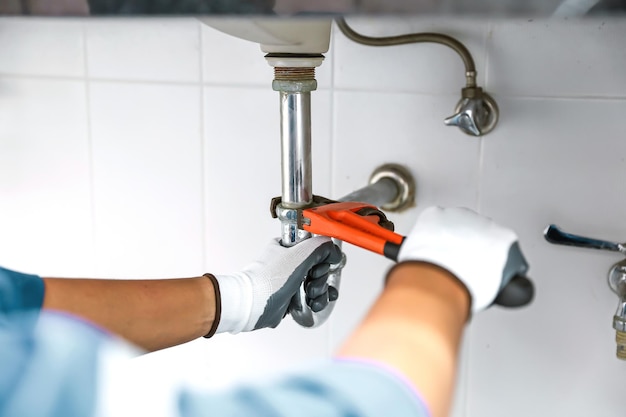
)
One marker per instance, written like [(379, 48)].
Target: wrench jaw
[(292, 230), (357, 223)]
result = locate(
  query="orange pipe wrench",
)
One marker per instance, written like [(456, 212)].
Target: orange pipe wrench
[(360, 225), (355, 223)]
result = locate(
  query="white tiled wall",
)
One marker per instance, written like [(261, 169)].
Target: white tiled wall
[(420, 68), (147, 173), (157, 50), (149, 148)]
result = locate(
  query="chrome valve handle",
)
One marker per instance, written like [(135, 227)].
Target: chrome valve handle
[(476, 113), (555, 235)]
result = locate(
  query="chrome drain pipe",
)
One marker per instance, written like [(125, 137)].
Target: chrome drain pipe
[(391, 186), (294, 79)]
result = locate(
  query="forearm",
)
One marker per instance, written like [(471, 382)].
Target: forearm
[(153, 314), (415, 327)]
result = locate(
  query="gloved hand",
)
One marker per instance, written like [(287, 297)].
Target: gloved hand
[(481, 254), (259, 296)]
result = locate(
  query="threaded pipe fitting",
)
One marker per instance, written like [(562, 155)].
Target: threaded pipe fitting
[(620, 339), (294, 79), (294, 73), (470, 79)]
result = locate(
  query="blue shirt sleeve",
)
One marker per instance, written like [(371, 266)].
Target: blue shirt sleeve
[(68, 368), (51, 371), (21, 298), (334, 389), (54, 365)]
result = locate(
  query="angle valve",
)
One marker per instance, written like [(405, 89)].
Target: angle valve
[(476, 113)]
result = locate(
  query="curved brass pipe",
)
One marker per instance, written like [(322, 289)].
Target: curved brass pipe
[(458, 47)]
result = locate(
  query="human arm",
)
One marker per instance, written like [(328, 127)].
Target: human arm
[(415, 327), (155, 314), (418, 317), (416, 324), (402, 359), (75, 369)]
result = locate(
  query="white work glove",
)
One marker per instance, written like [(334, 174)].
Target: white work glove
[(481, 254), (259, 296)]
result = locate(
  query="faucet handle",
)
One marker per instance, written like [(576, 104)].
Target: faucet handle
[(469, 111), (476, 113), (555, 235)]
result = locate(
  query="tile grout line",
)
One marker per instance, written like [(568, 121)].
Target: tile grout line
[(507, 95), (90, 150), (334, 88), (481, 144), (203, 157), (467, 345), (128, 81), (331, 168)]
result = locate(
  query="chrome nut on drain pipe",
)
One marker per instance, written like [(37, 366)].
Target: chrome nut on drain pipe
[(291, 233)]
